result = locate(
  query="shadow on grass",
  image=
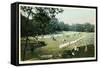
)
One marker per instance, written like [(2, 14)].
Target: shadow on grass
[(65, 54)]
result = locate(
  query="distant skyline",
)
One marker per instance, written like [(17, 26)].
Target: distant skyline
[(77, 15)]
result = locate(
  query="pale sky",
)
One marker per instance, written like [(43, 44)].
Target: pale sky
[(77, 15), (72, 15)]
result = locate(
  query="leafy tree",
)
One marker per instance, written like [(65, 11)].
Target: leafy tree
[(53, 25), (66, 27), (88, 27), (61, 26), (37, 21)]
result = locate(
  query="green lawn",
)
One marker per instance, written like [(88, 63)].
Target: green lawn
[(52, 47)]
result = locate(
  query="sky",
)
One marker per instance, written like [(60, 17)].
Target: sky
[(77, 16), (74, 15)]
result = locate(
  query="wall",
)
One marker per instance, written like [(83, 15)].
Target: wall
[(5, 34)]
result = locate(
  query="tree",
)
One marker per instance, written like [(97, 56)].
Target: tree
[(53, 25), (28, 11), (45, 18), (41, 16), (89, 27), (61, 26), (66, 27)]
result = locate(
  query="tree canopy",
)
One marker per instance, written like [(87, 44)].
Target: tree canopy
[(38, 20)]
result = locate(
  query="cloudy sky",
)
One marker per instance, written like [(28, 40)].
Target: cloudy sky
[(77, 15)]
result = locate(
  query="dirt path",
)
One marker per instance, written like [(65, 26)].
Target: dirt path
[(72, 42)]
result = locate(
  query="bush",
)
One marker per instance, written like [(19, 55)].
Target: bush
[(30, 49), (67, 54)]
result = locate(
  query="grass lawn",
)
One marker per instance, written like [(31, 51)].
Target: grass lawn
[(52, 47)]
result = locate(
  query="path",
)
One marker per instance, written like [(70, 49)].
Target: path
[(69, 43)]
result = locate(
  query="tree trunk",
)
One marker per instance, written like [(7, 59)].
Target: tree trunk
[(26, 44)]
